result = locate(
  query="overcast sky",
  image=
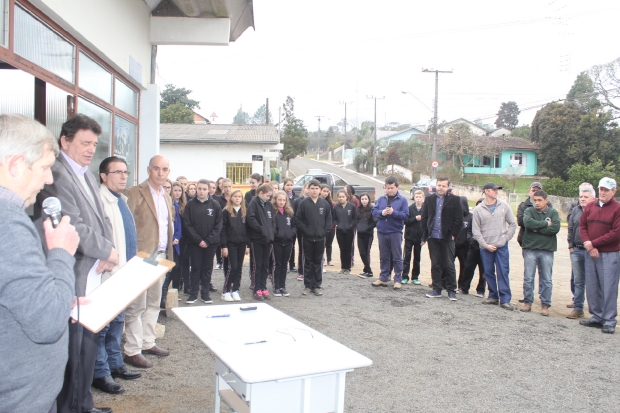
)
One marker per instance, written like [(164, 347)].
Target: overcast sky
[(324, 52)]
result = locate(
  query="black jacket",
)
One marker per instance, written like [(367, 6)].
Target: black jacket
[(202, 221), (221, 200), (234, 230), (413, 227), (249, 195), (344, 217), (365, 225), (286, 230), (314, 220), (261, 221), (296, 202), (461, 239), (451, 216)]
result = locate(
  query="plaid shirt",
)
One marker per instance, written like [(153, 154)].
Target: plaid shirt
[(11, 196)]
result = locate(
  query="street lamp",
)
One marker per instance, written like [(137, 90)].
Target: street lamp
[(374, 166)]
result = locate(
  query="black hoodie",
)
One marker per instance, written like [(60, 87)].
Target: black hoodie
[(365, 223), (461, 239), (413, 227), (234, 230), (202, 221), (344, 217), (261, 221), (314, 220), (249, 196), (286, 230)]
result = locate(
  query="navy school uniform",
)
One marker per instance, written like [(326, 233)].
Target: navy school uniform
[(344, 220), (261, 228), (234, 237), (284, 239), (365, 225)]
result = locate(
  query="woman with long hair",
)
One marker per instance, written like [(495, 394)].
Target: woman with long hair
[(365, 233), (284, 238), (218, 186), (178, 200), (191, 192), (235, 244), (350, 191), (326, 194)]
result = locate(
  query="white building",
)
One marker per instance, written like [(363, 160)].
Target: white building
[(210, 151), (98, 57)]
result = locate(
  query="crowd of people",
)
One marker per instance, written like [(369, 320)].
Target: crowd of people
[(208, 224)]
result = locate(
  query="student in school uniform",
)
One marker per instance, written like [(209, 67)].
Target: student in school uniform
[(235, 244), (300, 246), (255, 181), (261, 227), (365, 225), (287, 186), (284, 238), (344, 220), (326, 194), (413, 239)]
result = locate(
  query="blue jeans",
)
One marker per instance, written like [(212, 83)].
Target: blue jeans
[(499, 285), (109, 354), (543, 260), (390, 252), (578, 263)]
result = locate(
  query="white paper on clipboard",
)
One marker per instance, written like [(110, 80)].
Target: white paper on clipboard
[(93, 280)]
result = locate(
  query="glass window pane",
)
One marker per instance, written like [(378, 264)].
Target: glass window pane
[(95, 78), (126, 99), (126, 146), (56, 108), (41, 45), (104, 118), (3, 22), (16, 92)]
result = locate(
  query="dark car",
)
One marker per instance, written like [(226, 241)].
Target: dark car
[(428, 186)]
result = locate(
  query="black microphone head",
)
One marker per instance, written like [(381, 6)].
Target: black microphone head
[(51, 206)]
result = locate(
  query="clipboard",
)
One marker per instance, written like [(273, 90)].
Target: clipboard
[(120, 290)]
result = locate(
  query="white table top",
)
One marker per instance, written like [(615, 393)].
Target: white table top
[(283, 347)]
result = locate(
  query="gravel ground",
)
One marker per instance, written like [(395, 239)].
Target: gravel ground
[(429, 355)]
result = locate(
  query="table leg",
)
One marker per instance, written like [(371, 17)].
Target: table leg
[(306, 395), (217, 393), (340, 387)]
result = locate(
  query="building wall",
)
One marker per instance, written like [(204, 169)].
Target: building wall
[(209, 161), (531, 167), (118, 28)]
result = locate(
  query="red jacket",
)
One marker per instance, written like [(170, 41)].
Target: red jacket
[(601, 225)]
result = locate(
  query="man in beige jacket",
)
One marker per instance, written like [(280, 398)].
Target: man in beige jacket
[(113, 176), (152, 210)]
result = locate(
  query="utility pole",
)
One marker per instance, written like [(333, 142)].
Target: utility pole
[(374, 145), (267, 112), (345, 116), (434, 153), (318, 145)]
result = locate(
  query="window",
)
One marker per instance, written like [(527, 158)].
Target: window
[(338, 181), (43, 46), (126, 146), (238, 173), (491, 162), (104, 119), (126, 99), (518, 159), (4, 15), (95, 79)]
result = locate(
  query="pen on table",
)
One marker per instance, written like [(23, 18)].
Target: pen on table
[(256, 342), (218, 316)]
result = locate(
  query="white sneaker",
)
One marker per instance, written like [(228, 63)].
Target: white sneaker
[(227, 297), (324, 270), (235, 296)]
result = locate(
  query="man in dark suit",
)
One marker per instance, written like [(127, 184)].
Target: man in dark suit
[(76, 188), (442, 219)]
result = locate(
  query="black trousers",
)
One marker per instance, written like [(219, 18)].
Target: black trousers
[(76, 385), (416, 248), (184, 262), (329, 240), (473, 259), (346, 244), (461, 255), (202, 267), (260, 254), (300, 253), (233, 264), (363, 246), (218, 254), (281, 254), (442, 261), (313, 262), (291, 261)]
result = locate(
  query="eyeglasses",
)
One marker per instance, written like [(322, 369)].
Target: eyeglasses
[(119, 173), (157, 168)]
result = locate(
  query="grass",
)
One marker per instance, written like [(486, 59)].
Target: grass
[(518, 185)]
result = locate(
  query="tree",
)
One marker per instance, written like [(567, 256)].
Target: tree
[(172, 95), (577, 174), (523, 131), (508, 115), (241, 118), (582, 94), (606, 79), (462, 144), (176, 113), (392, 156), (294, 135), (260, 116)]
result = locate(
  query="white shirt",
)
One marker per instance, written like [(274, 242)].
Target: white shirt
[(79, 172), (162, 216)]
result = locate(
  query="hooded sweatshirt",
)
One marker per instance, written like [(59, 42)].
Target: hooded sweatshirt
[(261, 221), (286, 230), (234, 230), (493, 228), (344, 217), (202, 221), (314, 219), (365, 225)]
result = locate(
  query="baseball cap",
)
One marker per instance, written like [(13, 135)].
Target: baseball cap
[(536, 185), (491, 185), (608, 183)]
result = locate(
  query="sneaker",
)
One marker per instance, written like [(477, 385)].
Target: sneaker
[(397, 286), (522, 299), (227, 297), (342, 271), (324, 271), (276, 292), (405, 281), (489, 300), (362, 275), (331, 264), (218, 266), (433, 294), (306, 291), (379, 283), (347, 272), (509, 306), (258, 295), (266, 295), (190, 300), (452, 295), (479, 294), (317, 292), (293, 269), (212, 288), (284, 292), (235, 296), (300, 277), (369, 275), (416, 281), (206, 300)]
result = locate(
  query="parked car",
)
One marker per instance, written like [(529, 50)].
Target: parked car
[(428, 186), (335, 183), (314, 171)]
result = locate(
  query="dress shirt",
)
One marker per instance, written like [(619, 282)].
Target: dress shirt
[(79, 171), (162, 216)]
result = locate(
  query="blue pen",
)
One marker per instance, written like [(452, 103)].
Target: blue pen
[(218, 316)]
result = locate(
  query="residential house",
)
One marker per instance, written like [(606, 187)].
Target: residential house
[(500, 132), (400, 136), (200, 120), (476, 129)]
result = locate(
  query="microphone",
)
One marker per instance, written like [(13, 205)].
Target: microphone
[(51, 206)]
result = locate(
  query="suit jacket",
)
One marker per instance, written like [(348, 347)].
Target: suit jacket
[(142, 206), (113, 212), (451, 216), (88, 217)]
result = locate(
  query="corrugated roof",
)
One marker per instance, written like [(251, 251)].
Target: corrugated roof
[(503, 142), (189, 133)]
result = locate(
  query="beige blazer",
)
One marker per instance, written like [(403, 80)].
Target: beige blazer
[(142, 206)]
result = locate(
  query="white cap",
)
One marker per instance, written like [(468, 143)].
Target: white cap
[(608, 183)]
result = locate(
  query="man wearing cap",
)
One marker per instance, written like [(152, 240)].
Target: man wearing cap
[(600, 231), (493, 226)]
